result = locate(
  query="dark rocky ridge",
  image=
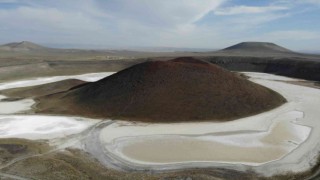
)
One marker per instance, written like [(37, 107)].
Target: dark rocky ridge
[(183, 89), (302, 68)]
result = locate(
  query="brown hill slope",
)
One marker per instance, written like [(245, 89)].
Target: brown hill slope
[(183, 89)]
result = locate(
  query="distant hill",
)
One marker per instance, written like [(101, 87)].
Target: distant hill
[(22, 46), (26, 49), (257, 47), (182, 89), (31, 51)]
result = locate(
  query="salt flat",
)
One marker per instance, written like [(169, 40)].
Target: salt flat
[(41, 127), (272, 77), (44, 80), (285, 137), (15, 106), (306, 100)]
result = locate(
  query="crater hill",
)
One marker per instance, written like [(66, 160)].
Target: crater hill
[(178, 90)]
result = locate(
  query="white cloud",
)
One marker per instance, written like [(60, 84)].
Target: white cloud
[(45, 19), (292, 35), (298, 3), (310, 1), (248, 10), (161, 13), (123, 21), (8, 1), (179, 23), (253, 21)]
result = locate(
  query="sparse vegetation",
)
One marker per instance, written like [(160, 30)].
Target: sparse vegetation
[(312, 174), (14, 148)]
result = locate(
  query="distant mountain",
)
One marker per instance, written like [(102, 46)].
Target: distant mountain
[(22, 46), (257, 47)]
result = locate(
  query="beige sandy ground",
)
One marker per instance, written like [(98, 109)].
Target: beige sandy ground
[(270, 142)]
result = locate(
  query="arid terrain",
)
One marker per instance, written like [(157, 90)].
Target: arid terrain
[(40, 62), (248, 111)]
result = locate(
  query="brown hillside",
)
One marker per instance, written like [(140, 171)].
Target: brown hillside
[(183, 89)]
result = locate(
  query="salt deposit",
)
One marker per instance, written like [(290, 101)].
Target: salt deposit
[(41, 127), (7, 107), (44, 80)]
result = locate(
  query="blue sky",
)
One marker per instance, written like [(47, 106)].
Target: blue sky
[(161, 23)]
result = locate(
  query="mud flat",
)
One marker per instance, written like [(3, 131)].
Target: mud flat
[(281, 140)]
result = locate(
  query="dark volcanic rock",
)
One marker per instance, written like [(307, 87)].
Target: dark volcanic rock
[(182, 89)]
